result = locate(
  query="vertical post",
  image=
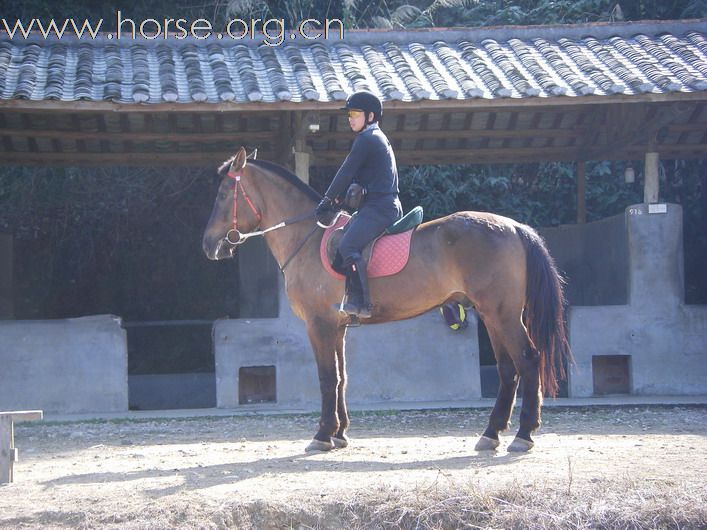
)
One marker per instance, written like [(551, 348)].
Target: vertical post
[(581, 192), (305, 123), (302, 164), (6, 277), (6, 443), (651, 185)]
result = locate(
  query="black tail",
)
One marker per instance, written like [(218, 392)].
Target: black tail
[(545, 310)]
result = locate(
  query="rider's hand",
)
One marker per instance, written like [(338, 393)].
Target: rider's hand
[(323, 210)]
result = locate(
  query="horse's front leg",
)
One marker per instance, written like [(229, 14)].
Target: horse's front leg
[(340, 439), (323, 337)]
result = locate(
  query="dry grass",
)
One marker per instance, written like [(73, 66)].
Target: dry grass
[(625, 505)]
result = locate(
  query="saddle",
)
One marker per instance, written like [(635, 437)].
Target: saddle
[(386, 255)]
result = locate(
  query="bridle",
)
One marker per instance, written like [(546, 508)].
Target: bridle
[(241, 237)]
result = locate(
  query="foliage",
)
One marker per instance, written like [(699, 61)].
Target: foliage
[(359, 14), (537, 194), (545, 195), (528, 12), (96, 240)]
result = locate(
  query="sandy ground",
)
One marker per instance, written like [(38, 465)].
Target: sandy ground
[(203, 472)]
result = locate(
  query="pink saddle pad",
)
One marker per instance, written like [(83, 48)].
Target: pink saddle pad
[(389, 255)]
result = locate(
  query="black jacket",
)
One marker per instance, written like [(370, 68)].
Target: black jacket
[(370, 163)]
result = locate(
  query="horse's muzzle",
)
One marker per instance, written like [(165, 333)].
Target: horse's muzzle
[(222, 249)]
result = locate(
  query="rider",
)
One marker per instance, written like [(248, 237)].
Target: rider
[(370, 163)]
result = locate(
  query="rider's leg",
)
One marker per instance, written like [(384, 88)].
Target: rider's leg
[(358, 300)]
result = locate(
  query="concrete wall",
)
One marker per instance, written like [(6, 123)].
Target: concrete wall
[(68, 366), (6, 277), (594, 259), (414, 360), (666, 341)]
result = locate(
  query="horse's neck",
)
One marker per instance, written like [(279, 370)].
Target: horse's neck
[(284, 201)]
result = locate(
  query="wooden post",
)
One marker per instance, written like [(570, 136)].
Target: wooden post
[(8, 453), (6, 277), (651, 185), (6, 443), (305, 123), (581, 192), (302, 164)]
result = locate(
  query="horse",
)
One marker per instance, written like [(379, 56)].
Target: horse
[(500, 266)]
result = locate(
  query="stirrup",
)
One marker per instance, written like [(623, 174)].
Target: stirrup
[(362, 311)]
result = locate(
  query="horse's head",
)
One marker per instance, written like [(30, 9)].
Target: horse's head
[(234, 212)]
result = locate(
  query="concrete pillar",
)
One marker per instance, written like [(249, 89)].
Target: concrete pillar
[(661, 339), (6, 277), (655, 245), (651, 185)]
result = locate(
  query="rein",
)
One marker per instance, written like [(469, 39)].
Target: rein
[(241, 237)]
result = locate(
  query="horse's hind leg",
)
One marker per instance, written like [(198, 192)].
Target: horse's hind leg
[(324, 336), (515, 357), (508, 383), (528, 364), (340, 439)]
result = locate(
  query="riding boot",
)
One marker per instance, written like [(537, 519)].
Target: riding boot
[(358, 301), (353, 297)]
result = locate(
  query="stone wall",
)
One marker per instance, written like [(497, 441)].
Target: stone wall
[(65, 366)]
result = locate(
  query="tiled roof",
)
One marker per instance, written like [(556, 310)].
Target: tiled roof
[(507, 62)]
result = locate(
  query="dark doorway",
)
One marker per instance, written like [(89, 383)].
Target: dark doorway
[(257, 384), (611, 374)]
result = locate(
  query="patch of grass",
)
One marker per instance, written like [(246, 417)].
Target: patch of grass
[(628, 505)]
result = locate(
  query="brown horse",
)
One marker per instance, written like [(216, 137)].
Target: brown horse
[(502, 267)]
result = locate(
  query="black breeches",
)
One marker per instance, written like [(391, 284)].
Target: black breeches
[(370, 222)]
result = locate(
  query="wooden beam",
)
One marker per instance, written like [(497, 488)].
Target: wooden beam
[(629, 125), (424, 105), (262, 136), (204, 137), (131, 159), (335, 157), (454, 134)]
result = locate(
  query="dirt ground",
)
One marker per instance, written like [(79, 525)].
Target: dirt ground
[(633, 467)]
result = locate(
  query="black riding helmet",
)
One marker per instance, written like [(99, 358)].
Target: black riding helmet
[(366, 102)]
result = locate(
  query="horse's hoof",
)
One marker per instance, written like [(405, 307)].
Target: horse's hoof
[(340, 443), (520, 445), (318, 445), (486, 444)]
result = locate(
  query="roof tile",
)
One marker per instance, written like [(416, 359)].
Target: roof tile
[(519, 62)]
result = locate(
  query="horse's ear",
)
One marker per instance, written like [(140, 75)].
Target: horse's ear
[(253, 154), (238, 162)]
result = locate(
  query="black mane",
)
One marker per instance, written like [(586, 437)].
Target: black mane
[(289, 177), (279, 171)]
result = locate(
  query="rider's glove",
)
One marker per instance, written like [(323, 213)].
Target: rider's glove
[(323, 209)]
